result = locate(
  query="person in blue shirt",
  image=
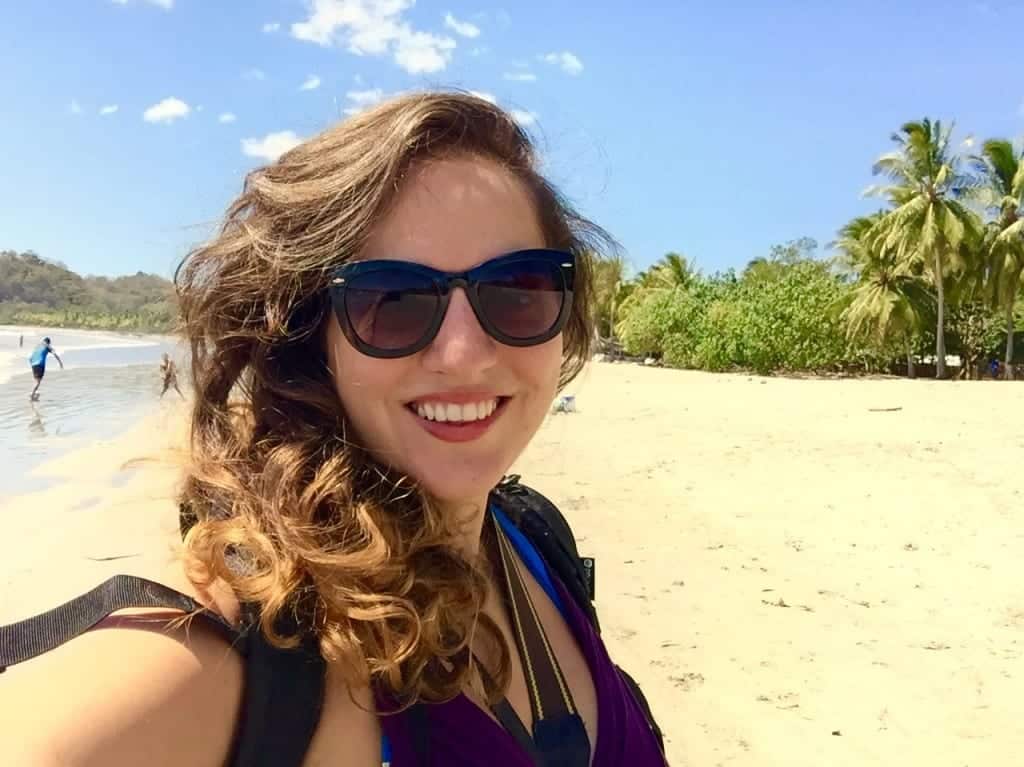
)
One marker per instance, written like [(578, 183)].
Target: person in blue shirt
[(38, 363)]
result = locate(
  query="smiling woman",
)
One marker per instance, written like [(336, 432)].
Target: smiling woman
[(376, 334)]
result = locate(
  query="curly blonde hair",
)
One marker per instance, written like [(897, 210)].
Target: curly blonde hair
[(293, 517)]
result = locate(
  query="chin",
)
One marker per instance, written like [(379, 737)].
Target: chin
[(462, 488)]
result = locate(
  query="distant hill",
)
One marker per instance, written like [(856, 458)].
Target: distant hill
[(35, 291)]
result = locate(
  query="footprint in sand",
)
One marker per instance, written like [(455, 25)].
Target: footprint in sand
[(688, 681)]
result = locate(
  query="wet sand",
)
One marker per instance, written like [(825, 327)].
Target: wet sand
[(798, 572)]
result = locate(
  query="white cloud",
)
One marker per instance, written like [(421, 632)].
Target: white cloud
[(311, 84), (74, 107), (109, 109), (271, 146), (167, 111), (485, 96), (569, 63), (271, 26), (375, 28), (363, 99), (463, 28), (165, 4), (479, 50), (524, 118), (254, 74), (227, 117), (357, 79), (520, 77), (421, 53), (366, 98)]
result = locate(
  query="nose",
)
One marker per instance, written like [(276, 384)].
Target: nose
[(461, 346)]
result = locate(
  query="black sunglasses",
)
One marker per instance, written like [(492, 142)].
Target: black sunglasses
[(395, 308)]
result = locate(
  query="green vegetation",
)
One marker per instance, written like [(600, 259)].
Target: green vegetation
[(939, 270), (34, 291)]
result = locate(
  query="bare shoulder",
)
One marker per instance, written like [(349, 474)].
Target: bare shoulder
[(135, 690)]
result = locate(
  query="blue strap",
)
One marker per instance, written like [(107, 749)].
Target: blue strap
[(530, 557)]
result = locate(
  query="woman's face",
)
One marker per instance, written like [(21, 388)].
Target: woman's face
[(451, 215)]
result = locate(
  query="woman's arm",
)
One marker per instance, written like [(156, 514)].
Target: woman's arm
[(130, 692)]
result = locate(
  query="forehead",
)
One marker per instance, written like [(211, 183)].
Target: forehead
[(456, 213)]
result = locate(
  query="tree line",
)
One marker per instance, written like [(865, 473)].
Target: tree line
[(36, 291), (937, 270)]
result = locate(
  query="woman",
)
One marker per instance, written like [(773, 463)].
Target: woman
[(377, 333)]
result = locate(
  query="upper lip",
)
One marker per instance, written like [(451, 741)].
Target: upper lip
[(457, 397)]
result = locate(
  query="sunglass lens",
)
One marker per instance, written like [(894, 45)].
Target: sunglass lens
[(523, 299), (391, 309)]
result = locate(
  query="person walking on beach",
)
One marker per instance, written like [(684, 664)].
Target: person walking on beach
[(38, 362), (377, 332), (169, 370)]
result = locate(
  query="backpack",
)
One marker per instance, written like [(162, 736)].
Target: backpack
[(273, 674)]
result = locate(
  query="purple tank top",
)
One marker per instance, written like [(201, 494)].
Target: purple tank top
[(462, 735)]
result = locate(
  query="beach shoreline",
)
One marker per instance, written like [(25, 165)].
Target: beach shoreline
[(797, 571), (14, 356)]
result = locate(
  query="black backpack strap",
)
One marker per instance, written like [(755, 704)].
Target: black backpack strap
[(283, 694), (34, 636), (283, 700), (284, 690), (549, 532)]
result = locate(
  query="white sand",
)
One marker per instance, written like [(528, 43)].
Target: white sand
[(776, 562)]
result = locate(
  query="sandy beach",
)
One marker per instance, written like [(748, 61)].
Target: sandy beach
[(798, 572)]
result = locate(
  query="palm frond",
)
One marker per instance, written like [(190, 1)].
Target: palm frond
[(1017, 184), (1000, 163), (1012, 236)]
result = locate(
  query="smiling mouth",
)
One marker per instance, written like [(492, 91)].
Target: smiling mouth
[(458, 414)]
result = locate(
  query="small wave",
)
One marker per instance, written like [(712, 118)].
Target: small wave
[(76, 407), (80, 349)]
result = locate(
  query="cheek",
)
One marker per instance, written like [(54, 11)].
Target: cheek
[(360, 381), (541, 366)]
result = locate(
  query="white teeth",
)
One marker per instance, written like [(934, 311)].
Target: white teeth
[(450, 412)]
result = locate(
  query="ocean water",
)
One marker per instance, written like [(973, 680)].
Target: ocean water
[(109, 382)]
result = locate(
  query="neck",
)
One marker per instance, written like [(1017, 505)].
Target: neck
[(471, 516)]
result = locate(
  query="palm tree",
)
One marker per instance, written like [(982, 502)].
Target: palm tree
[(608, 279), (1001, 172), (673, 271), (970, 318), (890, 299), (928, 223)]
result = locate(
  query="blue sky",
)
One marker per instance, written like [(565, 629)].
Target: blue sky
[(713, 131)]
